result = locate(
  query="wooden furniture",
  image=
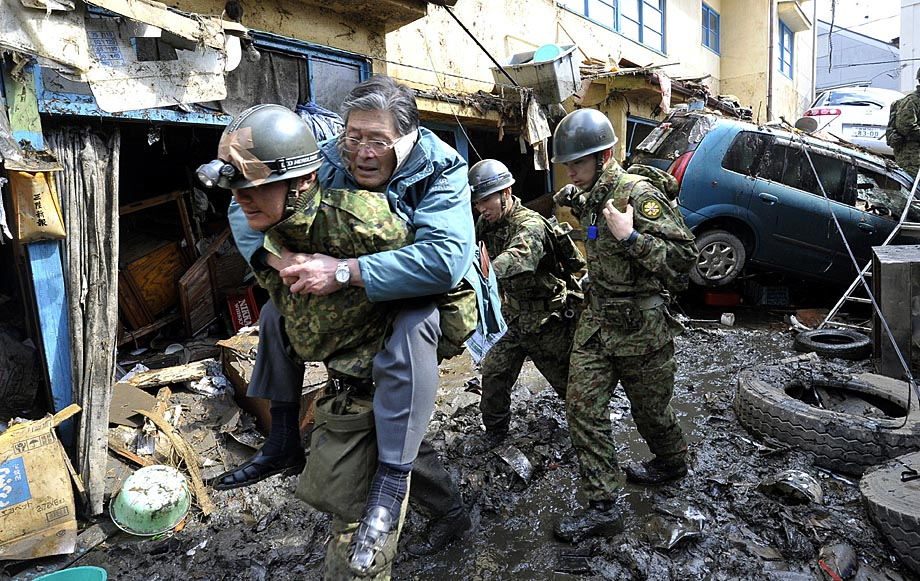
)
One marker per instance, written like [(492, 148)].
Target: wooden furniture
[(149, 273)]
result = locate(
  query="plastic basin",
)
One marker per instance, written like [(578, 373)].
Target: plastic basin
[(153, 500)]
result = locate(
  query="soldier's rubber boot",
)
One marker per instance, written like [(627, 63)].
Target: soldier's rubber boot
[(655, 471), (600, 518), (441, 532), (482, 443)]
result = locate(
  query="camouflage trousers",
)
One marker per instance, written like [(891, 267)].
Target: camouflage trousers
[(648, 381), (336, 561), (908, 157), (548, 348)]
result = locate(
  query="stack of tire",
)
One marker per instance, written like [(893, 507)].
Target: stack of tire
[(887, 450), (891, 493)]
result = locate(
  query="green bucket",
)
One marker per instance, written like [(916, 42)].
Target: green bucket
[(76, 574)]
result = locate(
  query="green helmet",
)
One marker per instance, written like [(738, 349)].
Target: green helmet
[(487, 177), (581, 133), (264, 144)]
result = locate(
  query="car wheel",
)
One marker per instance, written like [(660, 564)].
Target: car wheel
[(722, 258), (894, 504), (776, 402), (843, 343)]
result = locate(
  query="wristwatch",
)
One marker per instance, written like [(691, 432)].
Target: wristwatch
[(342, 273)]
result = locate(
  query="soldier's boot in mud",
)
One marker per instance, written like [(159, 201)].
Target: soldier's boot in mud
[(655, 471), (441, 532), (600, 518), (482, 443)]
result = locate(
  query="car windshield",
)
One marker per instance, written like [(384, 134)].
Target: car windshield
[(853, 98)]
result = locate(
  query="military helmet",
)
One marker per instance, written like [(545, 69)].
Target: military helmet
[(581, 133), (487, 177), (264, 144)]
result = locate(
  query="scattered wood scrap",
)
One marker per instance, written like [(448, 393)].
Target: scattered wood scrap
[(189, 456), (178, 374)]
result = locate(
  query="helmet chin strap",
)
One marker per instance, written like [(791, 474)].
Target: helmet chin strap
[(599, 164), (291, 199)]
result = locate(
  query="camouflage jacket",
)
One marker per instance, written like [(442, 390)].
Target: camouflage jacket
[(524, 263), (343, 329), (907, 119), (627, 282)]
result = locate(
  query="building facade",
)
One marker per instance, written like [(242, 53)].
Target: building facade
[(759, 55), (847, 58)]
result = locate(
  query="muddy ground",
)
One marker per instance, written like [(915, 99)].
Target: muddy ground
[(264, 533)]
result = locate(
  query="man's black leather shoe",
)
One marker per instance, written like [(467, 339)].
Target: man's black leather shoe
[(654, 471), (441, 532), (600, 518), (259, 467)]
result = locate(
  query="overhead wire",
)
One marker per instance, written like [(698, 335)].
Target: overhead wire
[(441, 87)]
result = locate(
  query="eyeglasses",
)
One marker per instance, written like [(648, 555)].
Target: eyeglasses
[(352, 145)]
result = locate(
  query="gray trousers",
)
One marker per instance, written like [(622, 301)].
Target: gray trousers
[(406, 380)]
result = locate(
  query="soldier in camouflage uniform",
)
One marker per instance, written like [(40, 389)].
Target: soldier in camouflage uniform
[(268, 157), (637, 249), (906, 141), (538, 298)]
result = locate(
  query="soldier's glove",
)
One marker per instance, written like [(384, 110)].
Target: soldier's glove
[(564, 196)]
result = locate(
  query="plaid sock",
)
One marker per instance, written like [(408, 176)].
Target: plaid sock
[(389, 487)]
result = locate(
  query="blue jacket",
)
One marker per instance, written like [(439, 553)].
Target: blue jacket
[(430, 191)]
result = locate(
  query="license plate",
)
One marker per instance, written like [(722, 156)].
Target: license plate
[(866, 131)]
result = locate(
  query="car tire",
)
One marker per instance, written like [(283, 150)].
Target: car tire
[(842, 442), (843, 343), (894, 505), (722, 258)]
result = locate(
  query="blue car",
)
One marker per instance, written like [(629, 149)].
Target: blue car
[(755, 196)]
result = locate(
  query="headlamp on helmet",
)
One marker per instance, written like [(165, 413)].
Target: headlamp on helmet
[(216, 173)]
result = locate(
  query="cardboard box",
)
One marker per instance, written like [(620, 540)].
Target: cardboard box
[(36, 496)]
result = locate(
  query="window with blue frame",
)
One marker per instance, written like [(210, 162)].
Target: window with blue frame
[(710, 29), (785, 49), (639, 20)]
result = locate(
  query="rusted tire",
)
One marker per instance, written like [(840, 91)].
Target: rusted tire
[(839, 441), (843, 343), (894, 505)]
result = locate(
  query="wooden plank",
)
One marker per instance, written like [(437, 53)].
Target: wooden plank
[(131, 335), (126, 209), (119, 448), (50, 296), (191, 248), (178, 374), (202, 29), (129, 301), (155, 277), (44, 259), (198, 289)]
